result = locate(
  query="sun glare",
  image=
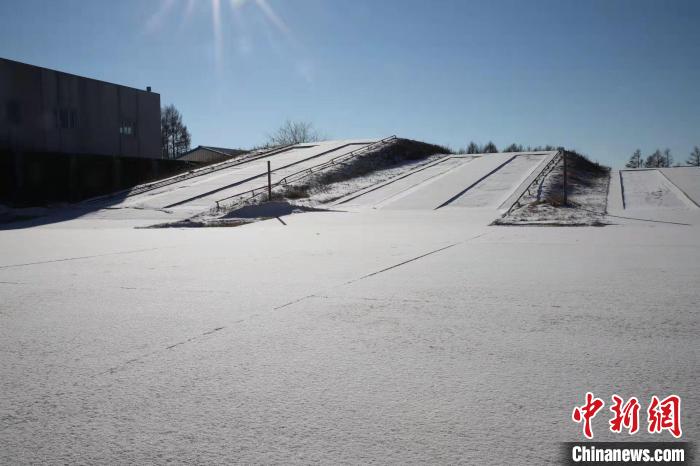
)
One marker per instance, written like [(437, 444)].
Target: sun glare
[(166, 8)]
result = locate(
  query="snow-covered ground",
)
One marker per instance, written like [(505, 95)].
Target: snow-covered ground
[(337, 337), (387, 335)]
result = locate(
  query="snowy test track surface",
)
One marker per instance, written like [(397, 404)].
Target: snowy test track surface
[(651, 189), (391, 336)]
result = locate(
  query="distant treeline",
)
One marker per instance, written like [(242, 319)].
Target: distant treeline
[(661, 158), (490, 148)]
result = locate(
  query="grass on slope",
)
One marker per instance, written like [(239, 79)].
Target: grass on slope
[(543, 202), (361, 171)]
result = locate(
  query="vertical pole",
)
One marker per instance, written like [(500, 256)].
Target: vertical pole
[(269, 182), (566, 200)]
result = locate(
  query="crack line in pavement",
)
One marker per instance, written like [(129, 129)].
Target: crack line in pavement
[(401, 263), (136, 359), (364, 298), (293, 302), (435, 251), (114, 369), (126, 364), (78, 258)]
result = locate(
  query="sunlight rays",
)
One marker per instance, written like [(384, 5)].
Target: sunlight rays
[(216, 28), (155, 22), (236, 30), (272, 16)]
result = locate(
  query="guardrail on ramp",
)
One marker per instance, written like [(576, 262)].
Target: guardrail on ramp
[(301, 174)]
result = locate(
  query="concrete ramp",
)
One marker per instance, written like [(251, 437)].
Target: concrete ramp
[(479, 182), (202, 192), (389, 191), (687, 179), (497, 187), (651, 189), (433, 195)]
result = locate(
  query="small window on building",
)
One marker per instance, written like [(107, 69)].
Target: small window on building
[(12, 111), (127, 128), (65, 118)]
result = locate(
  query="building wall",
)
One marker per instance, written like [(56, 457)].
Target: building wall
[(43, 110)]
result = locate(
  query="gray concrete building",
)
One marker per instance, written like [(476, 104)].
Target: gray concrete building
[(44, 110)]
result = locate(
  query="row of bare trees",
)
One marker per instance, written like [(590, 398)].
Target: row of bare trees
[(490, 148), (176, 138), (659, 158)]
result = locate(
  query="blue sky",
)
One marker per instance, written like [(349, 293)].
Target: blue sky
[(603, 77)]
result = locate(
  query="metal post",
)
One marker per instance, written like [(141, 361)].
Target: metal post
[(566, 200), (269, 182)]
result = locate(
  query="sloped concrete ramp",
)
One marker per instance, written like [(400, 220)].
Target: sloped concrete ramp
[(652, 189), (687, 179), (389, 191), (499, 186), (482, 181), (202, 192)]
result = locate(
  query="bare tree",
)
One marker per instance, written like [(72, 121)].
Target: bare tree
[(668, 158), (636, 160), (175, 138), (473, 148), (293, 132), (514, 148), (655, 160), (694, 159), (490, 148)]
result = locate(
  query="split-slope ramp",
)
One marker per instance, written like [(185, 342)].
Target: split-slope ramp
[(490, 182)]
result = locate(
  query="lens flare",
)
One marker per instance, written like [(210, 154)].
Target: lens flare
[(157, 22), (216, 27)]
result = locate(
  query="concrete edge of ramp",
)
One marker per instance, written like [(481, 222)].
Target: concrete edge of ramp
[(522, 187), (615, 201), (665, 175)]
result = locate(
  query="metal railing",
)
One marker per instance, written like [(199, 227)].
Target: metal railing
[(244, 158), (538, 181), (301, 174)]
